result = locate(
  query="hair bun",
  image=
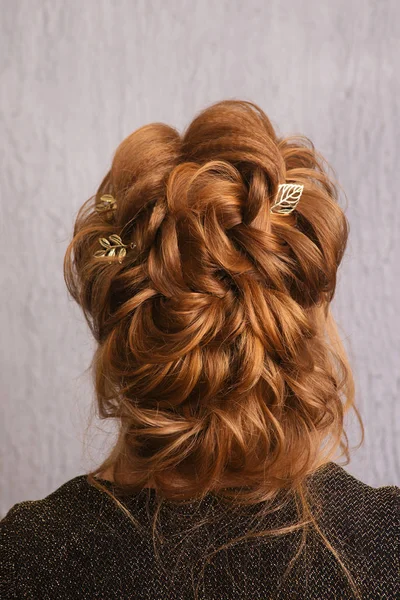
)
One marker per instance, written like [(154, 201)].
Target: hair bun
[(214, 334)]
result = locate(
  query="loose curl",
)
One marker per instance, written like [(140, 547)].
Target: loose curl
[(217, 352)]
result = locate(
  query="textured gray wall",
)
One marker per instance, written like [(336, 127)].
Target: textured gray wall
[(79, 76)]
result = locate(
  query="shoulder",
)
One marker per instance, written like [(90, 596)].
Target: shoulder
[(75, 503), (33, 517), (336, 486), (29, 523), (40, 535), (68, 500), (360, 516)]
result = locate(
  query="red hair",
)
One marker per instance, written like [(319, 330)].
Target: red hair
[(216, 348)]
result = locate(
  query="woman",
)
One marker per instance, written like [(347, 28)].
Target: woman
[(205, 266)]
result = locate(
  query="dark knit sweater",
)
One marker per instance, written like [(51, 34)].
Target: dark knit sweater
[(75, 543)]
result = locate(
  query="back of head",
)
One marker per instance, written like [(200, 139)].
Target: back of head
[(217, 351)]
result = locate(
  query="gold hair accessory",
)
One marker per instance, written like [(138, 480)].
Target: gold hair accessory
[(106, 203), (287, 198), (118, 248)]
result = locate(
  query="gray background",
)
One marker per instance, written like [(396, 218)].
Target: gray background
[(77, 77)]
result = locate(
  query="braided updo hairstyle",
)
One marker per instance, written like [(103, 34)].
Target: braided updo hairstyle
[(217, 352)]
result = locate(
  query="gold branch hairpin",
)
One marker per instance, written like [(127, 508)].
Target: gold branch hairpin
[(106, 204), (287, 198), (117, 248)]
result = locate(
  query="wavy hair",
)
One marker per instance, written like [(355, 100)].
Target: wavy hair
[(217, 352)]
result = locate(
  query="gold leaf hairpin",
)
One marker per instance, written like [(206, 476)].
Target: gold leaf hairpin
[(106, 204), (287, 198), (117, 248)]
